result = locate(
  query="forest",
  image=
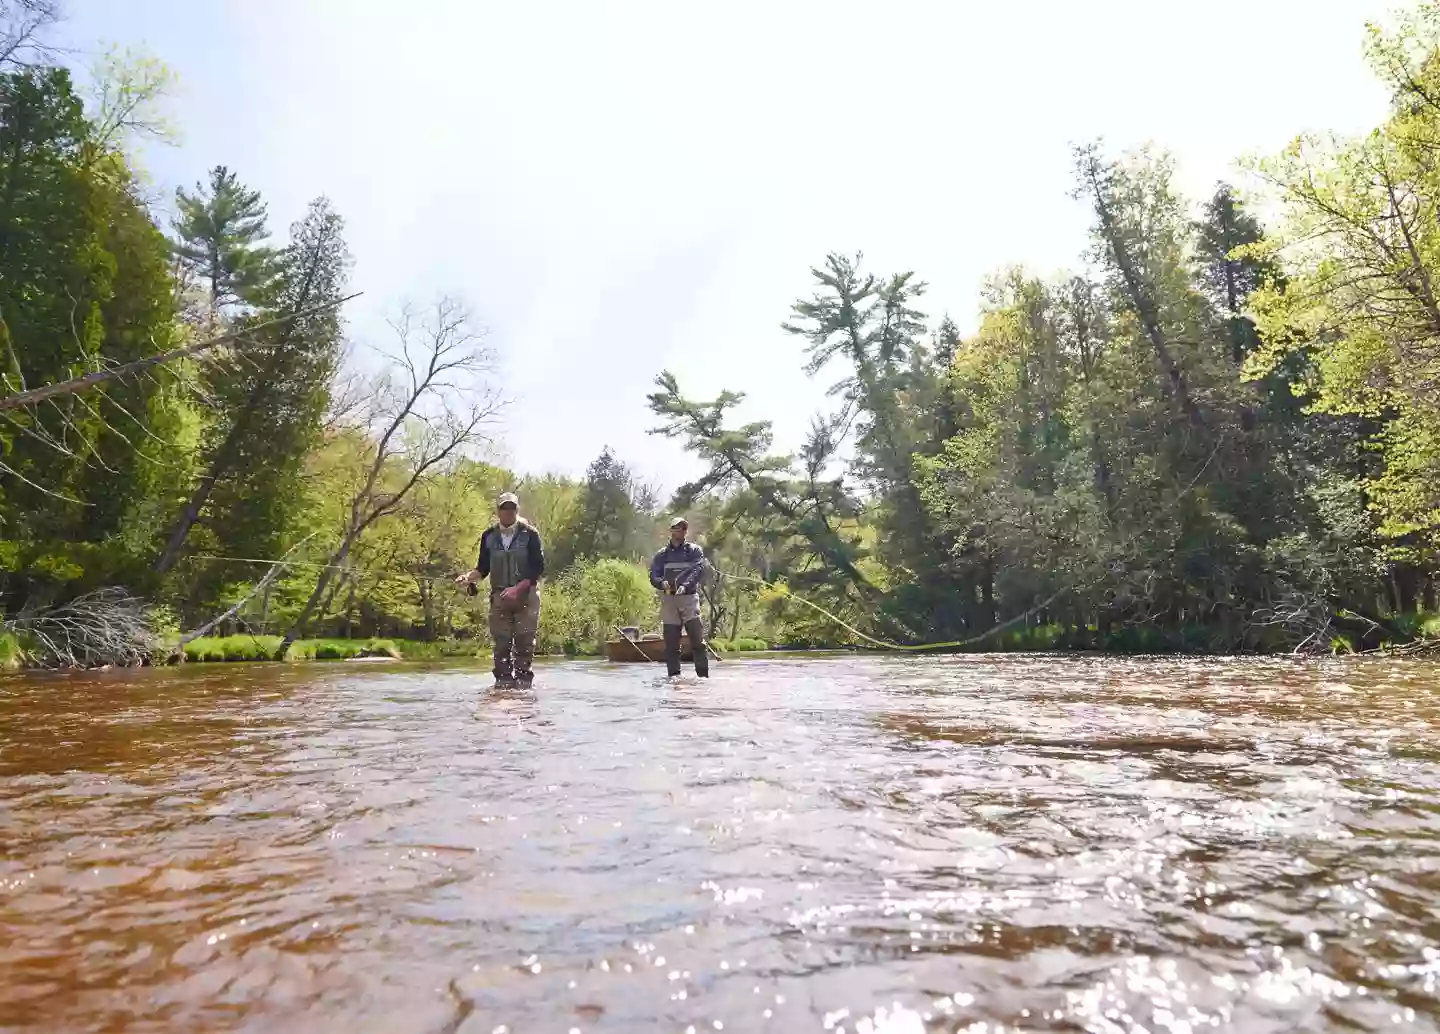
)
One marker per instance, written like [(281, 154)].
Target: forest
[(1217, 433)]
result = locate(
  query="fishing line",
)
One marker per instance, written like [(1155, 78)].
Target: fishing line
[(313, 567), (779, 589), (785, 592)]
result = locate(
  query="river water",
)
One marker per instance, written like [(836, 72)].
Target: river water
[(857, 845)]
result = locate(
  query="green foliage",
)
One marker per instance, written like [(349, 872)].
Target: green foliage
[(228, 648), (1120, 460), (271, 414), (612, 517), (1419, 625), (550, 502), (127, 90), (83, 283), (442, 649), (581, 608), (11, 655), (808, 523), (1361, 243), (895, 404)]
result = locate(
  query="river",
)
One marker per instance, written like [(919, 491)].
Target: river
[(843, 845)]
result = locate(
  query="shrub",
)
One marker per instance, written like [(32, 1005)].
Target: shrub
[(413, 650), (582, 608), (11, 655)]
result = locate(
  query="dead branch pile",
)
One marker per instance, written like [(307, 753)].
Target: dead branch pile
[(108, 626)]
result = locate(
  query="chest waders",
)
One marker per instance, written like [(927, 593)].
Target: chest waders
[(512, 626), (682, 609)]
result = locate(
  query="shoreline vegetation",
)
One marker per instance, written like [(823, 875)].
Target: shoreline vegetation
[(1209, 436), (1052, 641), (261, 648)]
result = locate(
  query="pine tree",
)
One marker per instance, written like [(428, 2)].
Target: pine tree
[(271, 410), (222, 230), (606, 523), (1229, 280)]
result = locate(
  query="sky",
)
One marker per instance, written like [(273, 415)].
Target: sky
[(616, 189)]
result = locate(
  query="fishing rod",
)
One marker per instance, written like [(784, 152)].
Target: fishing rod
[(625, 636), (669, 590), (444, 578), (778, 588), (471, 589)]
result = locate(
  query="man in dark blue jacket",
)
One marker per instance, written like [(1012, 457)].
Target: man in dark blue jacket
[(676, 572)]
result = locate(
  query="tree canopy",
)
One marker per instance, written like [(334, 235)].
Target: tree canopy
[(1210, 434)]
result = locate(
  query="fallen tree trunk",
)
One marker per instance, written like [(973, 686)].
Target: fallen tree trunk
[(74, 385), (178, 654)]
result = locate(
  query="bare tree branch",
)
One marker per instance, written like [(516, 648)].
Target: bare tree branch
[(89, 380), (23, 24), (5, 468), (434, 405), (179, 652)]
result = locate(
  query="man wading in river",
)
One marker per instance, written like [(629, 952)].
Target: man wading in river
[(676, 571), (512, 558)]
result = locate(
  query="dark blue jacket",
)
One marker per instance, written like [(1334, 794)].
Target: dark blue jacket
[(682, 565)]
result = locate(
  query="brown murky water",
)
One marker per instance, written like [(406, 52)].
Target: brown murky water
[(973, 844)]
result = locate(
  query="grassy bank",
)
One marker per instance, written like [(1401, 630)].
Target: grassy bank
[(739, 645), (11, 656), (262, 648), (213, 649)]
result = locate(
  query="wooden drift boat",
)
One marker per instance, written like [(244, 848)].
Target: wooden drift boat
[(650, 648)]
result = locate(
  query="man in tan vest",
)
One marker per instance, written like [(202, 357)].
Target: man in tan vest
[(512, 557)]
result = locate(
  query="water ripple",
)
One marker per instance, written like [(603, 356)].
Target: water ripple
[(845, 845)]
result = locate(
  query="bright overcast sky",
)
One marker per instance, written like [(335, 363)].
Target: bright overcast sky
[(618, 188)]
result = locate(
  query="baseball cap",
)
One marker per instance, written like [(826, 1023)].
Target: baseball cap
[(679, 522), (508, 497)]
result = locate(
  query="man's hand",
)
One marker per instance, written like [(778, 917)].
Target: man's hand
[(468, 578), (516, 592), (666, 587)]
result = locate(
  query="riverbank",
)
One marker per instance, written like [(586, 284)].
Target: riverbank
[(212, 649), (261, 648), (254, 648), (257, 648)]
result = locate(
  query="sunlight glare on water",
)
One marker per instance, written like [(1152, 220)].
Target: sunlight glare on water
[(856, 846)]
